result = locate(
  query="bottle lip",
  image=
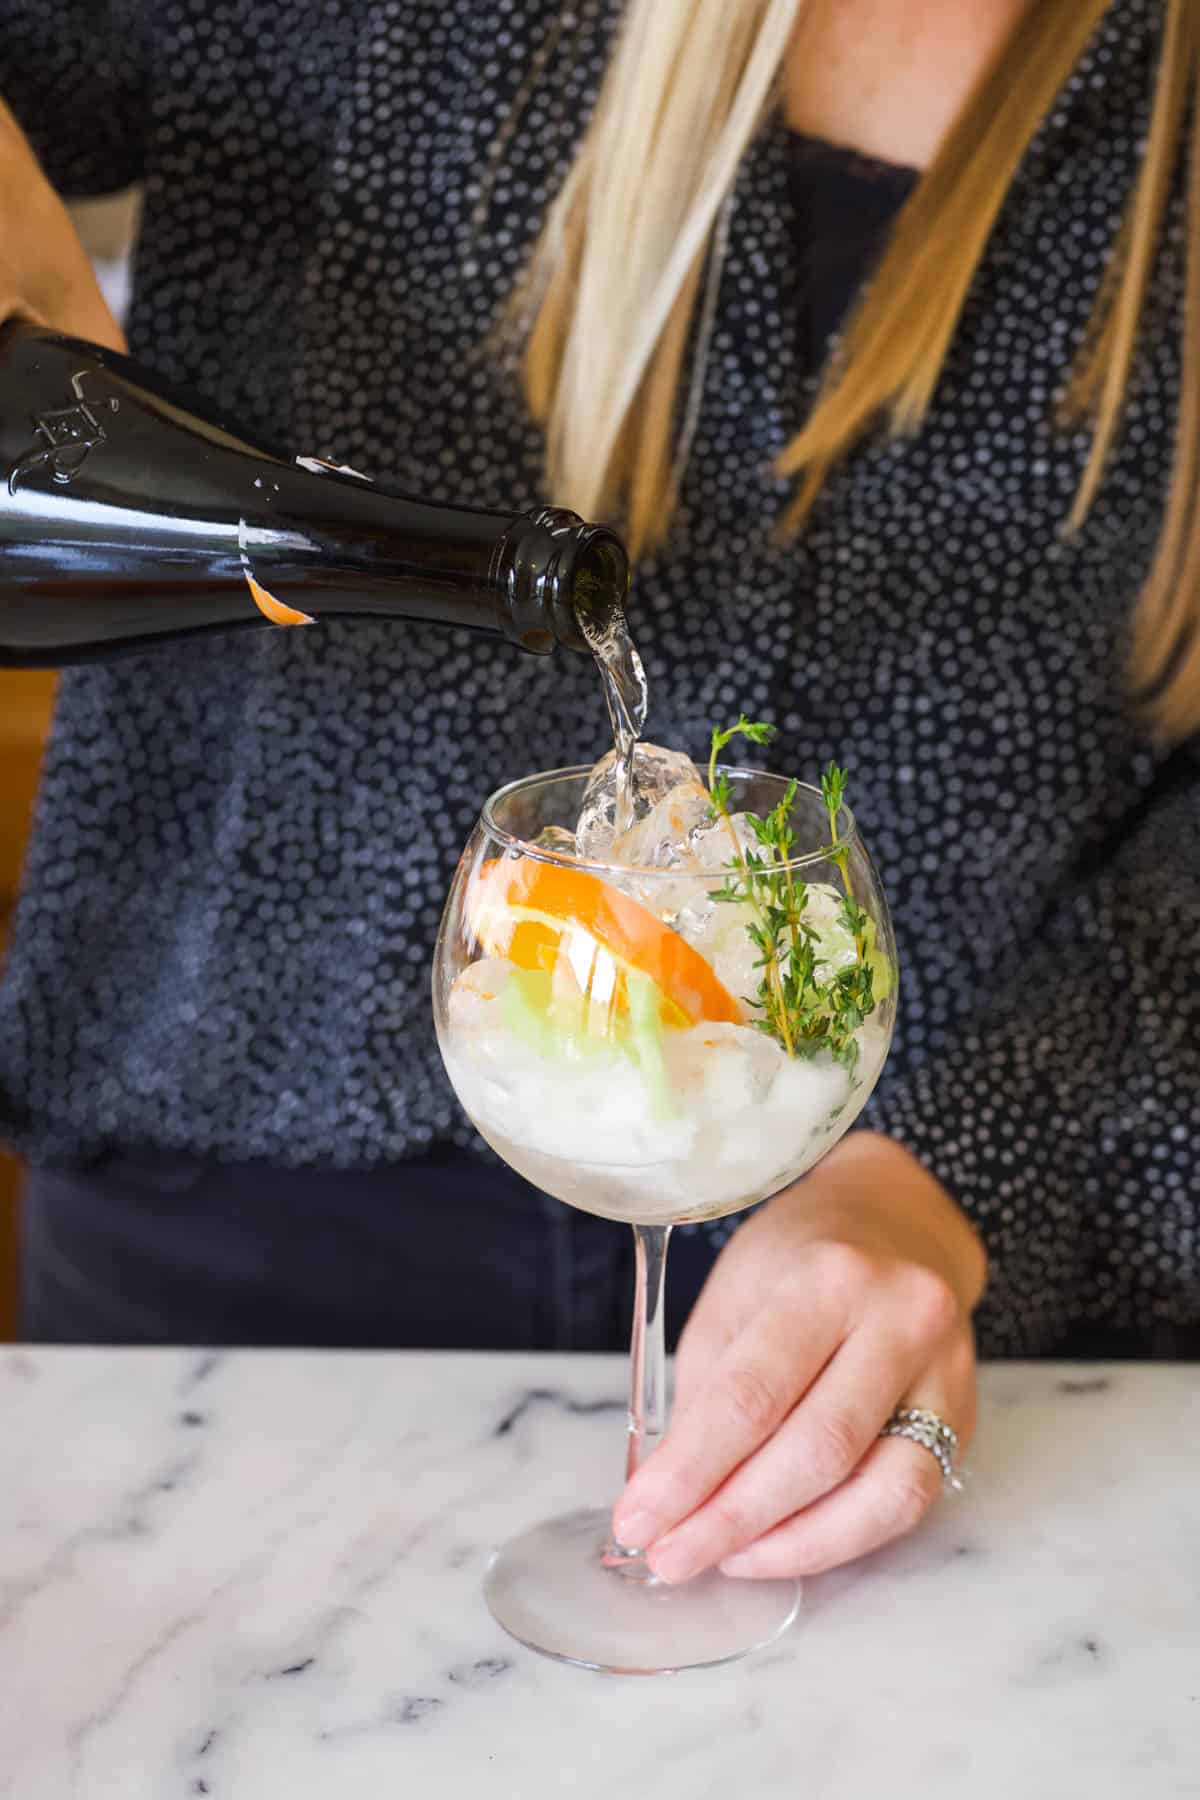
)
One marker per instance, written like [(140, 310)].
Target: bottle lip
[(593, 586), (555, 564)]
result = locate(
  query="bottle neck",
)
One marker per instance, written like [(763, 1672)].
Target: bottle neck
[(128, 486), (332, 543)]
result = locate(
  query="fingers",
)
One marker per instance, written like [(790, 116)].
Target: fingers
[(807, 1288), (84, 312), (768, 1367), (750, 1391), (712, 1326), (814, 1451), (733, 1295), (45, 273), (889, 1494)]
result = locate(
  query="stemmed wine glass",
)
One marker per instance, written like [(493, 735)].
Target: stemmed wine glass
[(599, 1023)]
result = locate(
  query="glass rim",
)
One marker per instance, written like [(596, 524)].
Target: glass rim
[(846, 840)]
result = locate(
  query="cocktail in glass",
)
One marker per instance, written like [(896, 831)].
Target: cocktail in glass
[(616, 1031)]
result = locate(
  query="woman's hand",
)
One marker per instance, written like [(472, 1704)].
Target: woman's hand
[(846, 1296), (45, 274)]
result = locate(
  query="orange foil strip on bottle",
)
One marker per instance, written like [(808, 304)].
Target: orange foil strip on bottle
[(274, 609)]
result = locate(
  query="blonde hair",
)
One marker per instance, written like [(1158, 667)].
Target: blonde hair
[(618, 271)]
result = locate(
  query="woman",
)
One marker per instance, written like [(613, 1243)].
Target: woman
[(215, 1023)]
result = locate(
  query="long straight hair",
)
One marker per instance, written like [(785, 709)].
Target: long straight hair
[(619, 271)]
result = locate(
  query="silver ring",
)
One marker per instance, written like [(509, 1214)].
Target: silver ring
[(920, 1426)]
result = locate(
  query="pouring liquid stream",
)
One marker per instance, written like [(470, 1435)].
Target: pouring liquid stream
[(624, 681)]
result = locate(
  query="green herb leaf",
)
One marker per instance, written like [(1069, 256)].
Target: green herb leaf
[(833, 789), (805, 1016)]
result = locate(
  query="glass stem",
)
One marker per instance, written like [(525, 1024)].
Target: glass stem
[(648, 1349), (647, 1375)]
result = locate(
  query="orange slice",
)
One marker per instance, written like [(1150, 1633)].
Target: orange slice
[(534, 912)]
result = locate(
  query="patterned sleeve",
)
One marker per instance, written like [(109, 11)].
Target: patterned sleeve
[(1066, 1119), (74, 74)]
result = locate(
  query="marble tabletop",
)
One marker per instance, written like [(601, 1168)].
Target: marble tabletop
[(257, 1575)]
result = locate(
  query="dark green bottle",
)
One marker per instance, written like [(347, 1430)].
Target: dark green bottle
[(130, 515)]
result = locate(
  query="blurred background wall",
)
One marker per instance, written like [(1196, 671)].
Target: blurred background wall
[(108, 229)]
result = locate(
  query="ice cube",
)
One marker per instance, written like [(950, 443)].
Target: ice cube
[(834, 947), (712, 845), (662, 837), (737, 961), (556, 839), (717, 928), (660, 844), (808, 1092), (723, 1069), (724, 941), (694, 912), (655, 772), (476, 1011)]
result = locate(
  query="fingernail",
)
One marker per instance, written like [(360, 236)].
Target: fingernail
[(675, 1563), (740, 1563), (637, 1529)]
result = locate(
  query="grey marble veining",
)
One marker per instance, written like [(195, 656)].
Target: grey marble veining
[(258, 1575)]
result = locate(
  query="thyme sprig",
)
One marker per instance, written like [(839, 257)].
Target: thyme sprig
[(833, 792), (802, 1014)]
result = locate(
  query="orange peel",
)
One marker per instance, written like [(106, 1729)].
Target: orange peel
[(533, 912)]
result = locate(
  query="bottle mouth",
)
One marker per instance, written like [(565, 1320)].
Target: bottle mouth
[(561, 570), (596, 585)]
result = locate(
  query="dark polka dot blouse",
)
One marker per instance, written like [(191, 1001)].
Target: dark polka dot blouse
[(243, 847)]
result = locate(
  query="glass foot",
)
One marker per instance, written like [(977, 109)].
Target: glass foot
[(551, 1590)]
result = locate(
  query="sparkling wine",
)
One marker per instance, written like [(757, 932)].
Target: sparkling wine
[(626, 697)]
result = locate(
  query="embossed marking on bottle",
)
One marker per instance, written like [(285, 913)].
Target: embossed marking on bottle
[(317, 464), (69, 435)]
